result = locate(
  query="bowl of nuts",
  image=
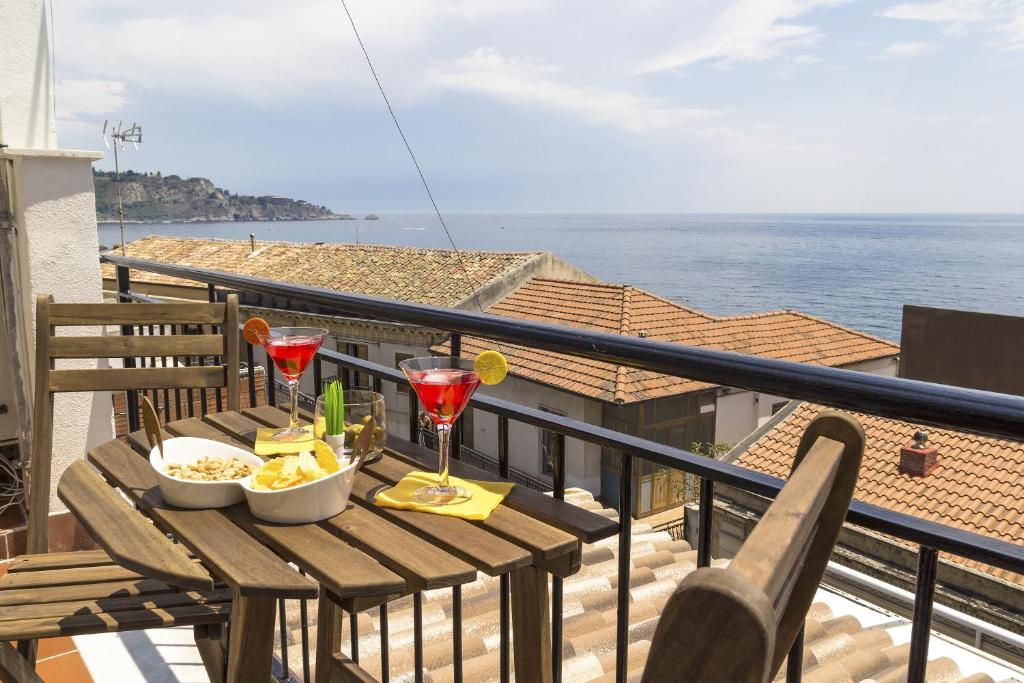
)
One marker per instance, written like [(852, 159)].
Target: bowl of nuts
[(200, 473)]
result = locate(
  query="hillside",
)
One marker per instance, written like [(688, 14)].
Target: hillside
[(152, 197)]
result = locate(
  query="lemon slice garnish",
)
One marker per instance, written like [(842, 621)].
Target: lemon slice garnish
[(491, 367)]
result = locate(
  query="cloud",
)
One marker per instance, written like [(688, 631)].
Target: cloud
[(1002, 18), (908, 49), (521, 82), (89, 97), (746, 31)]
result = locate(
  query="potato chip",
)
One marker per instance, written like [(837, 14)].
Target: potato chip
[(325, 456), (309, 468), (292, 470)]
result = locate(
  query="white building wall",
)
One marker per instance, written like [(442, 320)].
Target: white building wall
[(55, 214), (54, 218), (741, 412), (26, 83)]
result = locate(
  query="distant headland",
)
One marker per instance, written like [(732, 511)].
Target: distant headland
[(157, 198)]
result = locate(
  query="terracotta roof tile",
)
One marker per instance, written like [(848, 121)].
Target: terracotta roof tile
[(626, 310), (429, 276), (837, 646), (977, 485)]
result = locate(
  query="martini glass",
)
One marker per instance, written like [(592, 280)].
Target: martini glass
[(291, 349), (444, 386)]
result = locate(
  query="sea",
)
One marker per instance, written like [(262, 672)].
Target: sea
[(856, 270)]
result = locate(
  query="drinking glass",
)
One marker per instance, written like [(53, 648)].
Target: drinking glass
[(291, 349), (444, 386), (360, 406)]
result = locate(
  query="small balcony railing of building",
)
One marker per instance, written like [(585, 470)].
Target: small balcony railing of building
[(920, 402)]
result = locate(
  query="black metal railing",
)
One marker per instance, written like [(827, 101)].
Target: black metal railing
[(921, 402)]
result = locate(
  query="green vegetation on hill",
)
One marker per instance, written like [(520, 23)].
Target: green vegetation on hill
[(152, 197)]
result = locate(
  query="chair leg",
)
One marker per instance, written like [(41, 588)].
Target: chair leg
[(211, 641), (28, 650), (14, 668)]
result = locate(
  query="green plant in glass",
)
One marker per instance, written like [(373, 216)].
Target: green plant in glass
[(330, 416)]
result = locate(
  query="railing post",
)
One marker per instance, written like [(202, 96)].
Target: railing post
[(556, 581), (250, 360), (707, 508), (131, 396), (625, 541), (795, 661), (456, 439), (385, 666), (417, 635), (504, 583), (414, 416), (924, 597)]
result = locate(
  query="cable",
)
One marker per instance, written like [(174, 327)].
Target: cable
[(408, 148), (423, 179)]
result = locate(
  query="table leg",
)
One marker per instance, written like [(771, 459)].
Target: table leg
[(251, 639), (328, 635), (531, 625)]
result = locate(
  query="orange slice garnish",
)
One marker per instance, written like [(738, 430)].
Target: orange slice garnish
[(255, 331)]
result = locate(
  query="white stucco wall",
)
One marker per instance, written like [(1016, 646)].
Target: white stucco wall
[(741, 412), (26, 85), (55, 215)]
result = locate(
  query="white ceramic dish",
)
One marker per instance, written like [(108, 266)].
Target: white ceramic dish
[(199, 494), (308, 502)]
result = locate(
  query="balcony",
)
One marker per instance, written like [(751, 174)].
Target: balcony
[(602, 618)]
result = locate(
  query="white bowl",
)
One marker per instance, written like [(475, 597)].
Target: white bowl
[(308, 502), (199, 494)]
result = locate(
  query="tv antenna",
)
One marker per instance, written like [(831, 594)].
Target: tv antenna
[(118, 136)]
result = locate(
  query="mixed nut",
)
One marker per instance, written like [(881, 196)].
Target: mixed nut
[(210, 469)]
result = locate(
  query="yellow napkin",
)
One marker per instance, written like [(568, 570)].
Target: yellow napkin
[(486, 495), (266, 445)]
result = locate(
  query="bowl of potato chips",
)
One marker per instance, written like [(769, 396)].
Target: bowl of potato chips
[(306, 487), (200, 473)]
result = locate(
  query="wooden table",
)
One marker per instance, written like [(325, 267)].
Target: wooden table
[(360, 558)]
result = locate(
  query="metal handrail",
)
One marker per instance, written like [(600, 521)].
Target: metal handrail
[(940, 405), (965, 409)]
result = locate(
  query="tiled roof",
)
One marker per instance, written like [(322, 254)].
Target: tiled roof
[(977, 485), (429, 276), (626, 310), (837, 646)]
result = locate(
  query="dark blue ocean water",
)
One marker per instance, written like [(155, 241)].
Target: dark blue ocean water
[(857, 270)]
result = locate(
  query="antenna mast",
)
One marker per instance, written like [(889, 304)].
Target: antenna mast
[(119, 135)]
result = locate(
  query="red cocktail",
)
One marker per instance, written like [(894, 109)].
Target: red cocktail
[(291, 349), (444, 386)]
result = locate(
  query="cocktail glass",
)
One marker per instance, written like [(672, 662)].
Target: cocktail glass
[(444, 386), (291, 349)]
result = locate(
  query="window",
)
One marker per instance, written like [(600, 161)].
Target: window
[(350, 377), (401, 389), (552, 446)]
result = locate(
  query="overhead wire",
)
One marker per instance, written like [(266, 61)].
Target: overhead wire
[(419, 171)]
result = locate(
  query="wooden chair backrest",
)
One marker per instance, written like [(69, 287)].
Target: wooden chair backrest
[(738, 623), (49, 380)]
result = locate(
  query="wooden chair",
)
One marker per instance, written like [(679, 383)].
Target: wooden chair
[(738, 623), (46, 594)]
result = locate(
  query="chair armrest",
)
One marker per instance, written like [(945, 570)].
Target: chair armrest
[(128, 537)]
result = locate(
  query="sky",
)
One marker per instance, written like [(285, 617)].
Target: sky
[(563, 105)]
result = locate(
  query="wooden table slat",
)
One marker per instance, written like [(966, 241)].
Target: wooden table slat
[(127, 537), (344, 570), (485, 551), (583, 524), (242, 561)]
